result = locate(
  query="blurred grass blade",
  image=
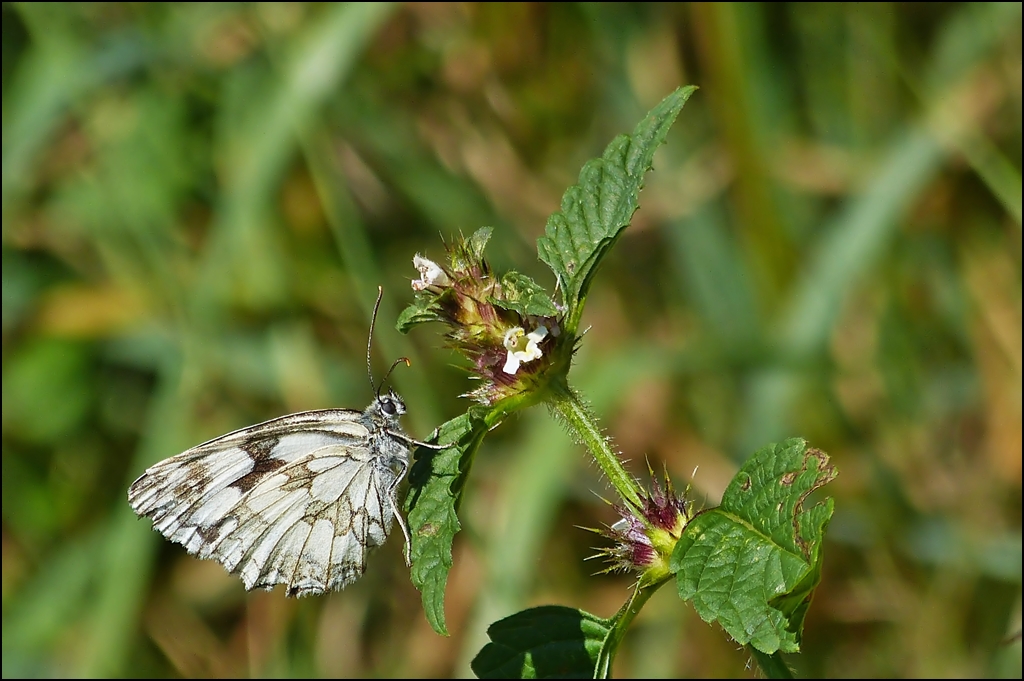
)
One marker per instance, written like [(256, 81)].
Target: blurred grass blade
[(45, 606), (968, 36), (713, 277), (51, 77), (848, 249), (445, 200), (997, 172), (124, 557), (855, 241), (259, 133), (365, 274), (964, 42)]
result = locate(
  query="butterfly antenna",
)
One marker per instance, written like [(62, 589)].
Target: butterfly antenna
[(369, 340), (369, 345), (398, 361)]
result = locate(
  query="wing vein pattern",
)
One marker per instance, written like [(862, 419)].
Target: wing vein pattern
[(297, 500)]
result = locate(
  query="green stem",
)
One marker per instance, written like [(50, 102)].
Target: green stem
[(583, 425), (620, 623)]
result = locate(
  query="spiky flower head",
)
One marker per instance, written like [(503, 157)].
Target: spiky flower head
[(646, 535), (507, 326)]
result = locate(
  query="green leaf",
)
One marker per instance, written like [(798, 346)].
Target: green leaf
[(549, 642), (435, 488), (472, 250), (772, 666), (596, 210), (525, 296), (752, 564), (422, 309)]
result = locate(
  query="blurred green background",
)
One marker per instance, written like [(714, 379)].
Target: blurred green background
[(199, 202)]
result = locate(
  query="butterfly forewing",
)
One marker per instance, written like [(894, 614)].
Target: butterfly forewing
[(297, 500)]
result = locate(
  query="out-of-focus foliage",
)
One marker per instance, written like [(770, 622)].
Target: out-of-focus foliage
[(200, 200)]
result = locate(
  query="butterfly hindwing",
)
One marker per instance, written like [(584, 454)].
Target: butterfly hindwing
[(297, 500)]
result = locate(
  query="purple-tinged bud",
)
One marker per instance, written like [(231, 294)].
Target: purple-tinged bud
[(646, 535)]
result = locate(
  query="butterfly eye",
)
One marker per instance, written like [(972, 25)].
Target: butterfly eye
[(388, 406)]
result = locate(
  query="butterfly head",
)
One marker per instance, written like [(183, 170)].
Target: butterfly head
[(389, 405)]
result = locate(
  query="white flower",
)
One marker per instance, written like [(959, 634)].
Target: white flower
[(522, 347), (431, 274)]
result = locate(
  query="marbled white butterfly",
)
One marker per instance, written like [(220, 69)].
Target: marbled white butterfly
[(298, 500)]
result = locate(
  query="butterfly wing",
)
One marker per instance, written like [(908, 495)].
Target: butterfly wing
[(297, 500)]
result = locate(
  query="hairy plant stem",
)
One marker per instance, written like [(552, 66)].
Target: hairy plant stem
[(583, 426), (620, 623)]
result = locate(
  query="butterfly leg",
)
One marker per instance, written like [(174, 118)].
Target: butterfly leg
[(405, 531), (393, 500)]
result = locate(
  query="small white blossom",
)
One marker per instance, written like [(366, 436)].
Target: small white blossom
[(522, 347), (431, 274)]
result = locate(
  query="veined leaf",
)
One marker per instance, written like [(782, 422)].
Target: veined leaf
[(596, 210), (422, 309), (435, 488), (752, 564), (472, 250), (549, 642), (525, 296)]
